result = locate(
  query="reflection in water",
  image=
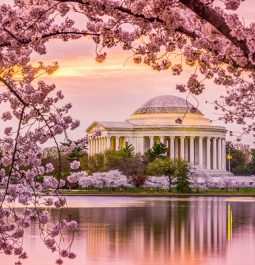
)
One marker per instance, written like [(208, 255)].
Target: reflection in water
[(171, 231), (156, 232)]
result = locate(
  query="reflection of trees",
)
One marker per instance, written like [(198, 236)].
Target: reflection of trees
[(243, 214)]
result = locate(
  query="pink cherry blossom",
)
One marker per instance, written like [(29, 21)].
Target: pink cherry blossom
[(8, 130), (49, 168), (72, 225), (75, 165), (44, 217)]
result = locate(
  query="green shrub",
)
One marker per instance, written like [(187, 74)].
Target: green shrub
[(241, 170), (163, 167), (114, 159), (157, 151), (159, 167), (182, 178), (111, 160), (128, 150), (95, 163), (54, 160), (132, 166)]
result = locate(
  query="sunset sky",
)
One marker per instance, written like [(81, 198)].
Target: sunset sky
[(113, 90)]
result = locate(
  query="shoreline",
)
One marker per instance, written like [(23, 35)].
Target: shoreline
[(155, 194)]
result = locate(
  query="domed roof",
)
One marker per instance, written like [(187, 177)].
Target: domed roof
[(167, 104)]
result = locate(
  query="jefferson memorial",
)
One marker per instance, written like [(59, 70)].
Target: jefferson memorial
[(195, 139)]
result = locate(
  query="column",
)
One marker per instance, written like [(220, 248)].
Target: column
[(176, 147), (151, 141), (124, 138), (104, 144), (99, 145), (127, 140), (161, 139), (182, 147), (134, 143), (186, 148), (91, 146), (208, 151), (214, 153), (219, 154), (200, 160), (140, 145), (172, 147), (191, 150), (95, 145), (117, 147), (223, 149), (108, 143)]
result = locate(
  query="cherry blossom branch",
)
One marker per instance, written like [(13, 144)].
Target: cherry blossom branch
[(46, 36), (12, 90), (55, 141), (204, 11), (215, 19), (13, 155)]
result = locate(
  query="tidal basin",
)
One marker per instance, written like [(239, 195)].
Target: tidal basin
[(154, 231)]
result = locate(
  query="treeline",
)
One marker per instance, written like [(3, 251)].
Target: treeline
[(136, 167), (242, 159)]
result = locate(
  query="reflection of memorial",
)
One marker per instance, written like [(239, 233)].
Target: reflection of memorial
[(174, 232)]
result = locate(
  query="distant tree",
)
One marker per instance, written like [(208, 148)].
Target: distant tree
[(163, 167), (61, 164), (182, 177), (238, 162), (252, 163), (246, 151), (94, 163), (157, 151), (76, 149), (128, 150)]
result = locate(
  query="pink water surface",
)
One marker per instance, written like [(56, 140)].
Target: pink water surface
[(154, 231)]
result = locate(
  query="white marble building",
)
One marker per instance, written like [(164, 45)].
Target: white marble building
[(195, 139)]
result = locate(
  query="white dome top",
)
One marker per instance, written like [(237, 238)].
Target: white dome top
[(167, 104)]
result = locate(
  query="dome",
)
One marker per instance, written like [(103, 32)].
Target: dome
[(167, 104)]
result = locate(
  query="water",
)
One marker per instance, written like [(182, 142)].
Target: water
[(155, 231)]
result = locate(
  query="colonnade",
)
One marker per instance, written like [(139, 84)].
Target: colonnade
[(207, 152), (99, 145)]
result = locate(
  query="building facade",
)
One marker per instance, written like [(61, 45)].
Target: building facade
[(170, 120)]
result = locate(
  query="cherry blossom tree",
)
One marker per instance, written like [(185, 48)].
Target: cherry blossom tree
[(206, 35)]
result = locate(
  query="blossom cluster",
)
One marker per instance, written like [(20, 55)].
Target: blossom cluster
[(156, 182), (197, 177), (110, 179), (200, 180)]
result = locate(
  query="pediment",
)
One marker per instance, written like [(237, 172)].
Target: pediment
[(95, 127)]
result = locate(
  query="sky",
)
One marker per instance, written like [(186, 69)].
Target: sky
[(115, 89)]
